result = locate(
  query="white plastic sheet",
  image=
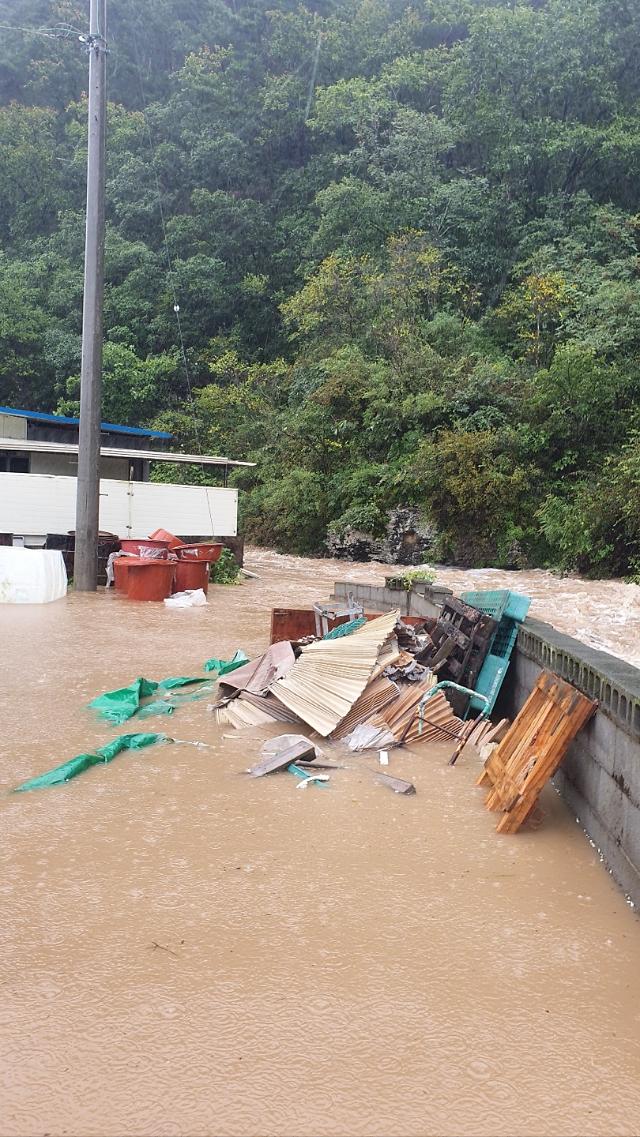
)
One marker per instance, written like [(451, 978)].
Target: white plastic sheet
[(31, 576), (191, 598)]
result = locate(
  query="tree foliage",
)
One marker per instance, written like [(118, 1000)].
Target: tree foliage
[(403, 239)]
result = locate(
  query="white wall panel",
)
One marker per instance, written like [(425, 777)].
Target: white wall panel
[(43, 503)]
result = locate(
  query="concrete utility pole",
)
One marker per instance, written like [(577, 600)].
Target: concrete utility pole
[(88, 498)]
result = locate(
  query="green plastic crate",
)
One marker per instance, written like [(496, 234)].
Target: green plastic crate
[(492, 673), (499, 602), (509, 609)]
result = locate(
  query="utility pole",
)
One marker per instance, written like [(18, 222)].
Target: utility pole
[(88, 497)]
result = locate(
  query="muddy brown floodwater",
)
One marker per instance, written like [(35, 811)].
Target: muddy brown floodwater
[(186, 951)]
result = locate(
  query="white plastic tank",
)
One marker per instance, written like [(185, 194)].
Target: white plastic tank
[(31, 576)]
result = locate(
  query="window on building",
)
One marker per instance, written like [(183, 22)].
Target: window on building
[(14, 463)]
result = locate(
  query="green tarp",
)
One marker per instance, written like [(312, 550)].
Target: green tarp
[(157, 707), (118, 706), (82, 762), (224, 666), (201, 693), (345, 629), (181, 681)]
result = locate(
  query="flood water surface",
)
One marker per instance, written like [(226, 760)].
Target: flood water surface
[(605, 614), (189, 952)]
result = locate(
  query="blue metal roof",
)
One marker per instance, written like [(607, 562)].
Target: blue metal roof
[(64, 420)]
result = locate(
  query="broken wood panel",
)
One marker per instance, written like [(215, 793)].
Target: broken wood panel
[(532, 750), (543, 721), (497, 732), (284, 758), (398, 785), (520, 733)]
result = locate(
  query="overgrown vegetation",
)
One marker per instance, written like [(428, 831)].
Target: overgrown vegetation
[(225, 570), (406, 579), (404, 241)]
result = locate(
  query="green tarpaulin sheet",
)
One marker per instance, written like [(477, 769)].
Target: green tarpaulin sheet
[(224, 666), (202, 692), (158, 707), (82, 762), (181, 681), (345, 629), (120, 705)]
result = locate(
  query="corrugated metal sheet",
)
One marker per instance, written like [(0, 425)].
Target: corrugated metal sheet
[(376, 695), (331, 675)]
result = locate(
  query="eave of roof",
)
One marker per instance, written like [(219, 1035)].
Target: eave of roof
[(37, 447), (65, 420)]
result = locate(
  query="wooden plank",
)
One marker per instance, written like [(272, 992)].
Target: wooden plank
[(521, 735), (282, 759), (536, 715), (497, 732), (396, 784)]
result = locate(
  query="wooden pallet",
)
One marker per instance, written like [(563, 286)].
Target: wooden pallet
[(461, 639), (533, 748)]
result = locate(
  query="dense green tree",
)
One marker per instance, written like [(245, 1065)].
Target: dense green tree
[(387, 249)]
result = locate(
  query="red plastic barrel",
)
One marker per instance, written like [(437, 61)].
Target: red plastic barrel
[(121, 572), (165, 535), (121, 567), (150, 580), (134, 544), (191, 574), (205, 551)]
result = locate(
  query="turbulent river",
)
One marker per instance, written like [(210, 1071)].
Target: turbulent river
[(604, 614), (189, 952)]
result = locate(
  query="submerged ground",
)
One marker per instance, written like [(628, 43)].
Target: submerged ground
[(189, 952)]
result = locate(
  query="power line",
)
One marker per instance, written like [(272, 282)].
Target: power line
[(61, 31), (170, 272), (167, 251), (312, 84)]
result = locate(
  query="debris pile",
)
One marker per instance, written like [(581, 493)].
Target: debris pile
[(371, 683), (390, 682), (363, 686)]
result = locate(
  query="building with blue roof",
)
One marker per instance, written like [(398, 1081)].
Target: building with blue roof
[(38, 482), (107, 428), (38, 426)]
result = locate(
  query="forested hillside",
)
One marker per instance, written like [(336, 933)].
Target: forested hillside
[(404, 241)]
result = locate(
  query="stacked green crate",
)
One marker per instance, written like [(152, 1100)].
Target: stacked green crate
[(509, 609)]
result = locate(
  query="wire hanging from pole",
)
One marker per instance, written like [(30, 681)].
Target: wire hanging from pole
[(312, 84), (60, 31), (170, 272), (167, 251)]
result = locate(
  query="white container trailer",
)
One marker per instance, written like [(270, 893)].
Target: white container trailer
[(34, 504)]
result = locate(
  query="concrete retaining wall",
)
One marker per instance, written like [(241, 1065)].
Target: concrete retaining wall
[(422, 599), (600, 776)]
